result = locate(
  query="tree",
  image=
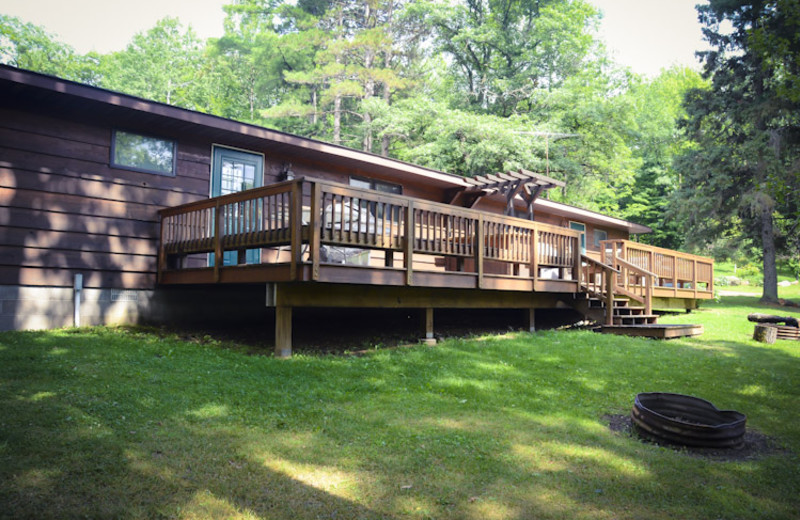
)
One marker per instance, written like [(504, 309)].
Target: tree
[(746, 127), (28, 46), (164, 63), (502, 51), (352, 68), (656, 139)]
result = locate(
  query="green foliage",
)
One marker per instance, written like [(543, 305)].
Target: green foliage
[(163, 64), (28, 46), (657, 138), (746, 127), (503, 51), (431, 134)]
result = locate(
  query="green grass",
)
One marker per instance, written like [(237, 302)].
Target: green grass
[(754, 277), (128, 424)]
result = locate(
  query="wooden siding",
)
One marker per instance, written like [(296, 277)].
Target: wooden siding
[(65, 211)]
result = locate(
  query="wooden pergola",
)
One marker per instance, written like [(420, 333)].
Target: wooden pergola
[(527, 184)]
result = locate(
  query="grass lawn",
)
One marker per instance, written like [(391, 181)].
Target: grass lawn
[(122, 423), (754, 279)]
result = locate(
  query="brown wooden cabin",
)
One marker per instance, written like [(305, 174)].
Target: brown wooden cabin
[(162, 210)]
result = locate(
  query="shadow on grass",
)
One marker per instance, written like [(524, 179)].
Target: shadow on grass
[(129, 425)]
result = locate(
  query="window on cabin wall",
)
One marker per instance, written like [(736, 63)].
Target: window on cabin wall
[(142, 153), (386, 187), (599, 236), (372, 184)]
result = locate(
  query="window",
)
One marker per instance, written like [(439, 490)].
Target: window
[(372, 184), (599, 235), (142, 153), (376, 210)]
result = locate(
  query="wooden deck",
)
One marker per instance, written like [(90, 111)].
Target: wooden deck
[(300, 226), (321, 234)]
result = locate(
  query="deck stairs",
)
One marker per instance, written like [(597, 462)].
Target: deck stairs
[(630, 305), (625, 311)]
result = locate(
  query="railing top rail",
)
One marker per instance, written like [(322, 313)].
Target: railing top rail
[(270, 189), (629, 244), (590, 260), (634, 267)]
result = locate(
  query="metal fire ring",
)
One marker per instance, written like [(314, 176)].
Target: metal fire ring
[(687, 420)]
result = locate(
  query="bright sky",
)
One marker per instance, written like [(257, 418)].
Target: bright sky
[(646, 35)]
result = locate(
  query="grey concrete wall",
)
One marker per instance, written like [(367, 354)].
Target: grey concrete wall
[(27, 308), (23, 307)]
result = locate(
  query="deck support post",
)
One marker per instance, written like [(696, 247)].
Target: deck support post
[(530, 319), (427, 322), (283, 331)]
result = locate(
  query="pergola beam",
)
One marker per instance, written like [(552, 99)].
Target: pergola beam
[(509, 184)]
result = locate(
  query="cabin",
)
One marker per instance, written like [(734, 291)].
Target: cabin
[(116, 209)]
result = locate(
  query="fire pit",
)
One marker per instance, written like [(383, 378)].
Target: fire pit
[(687, 420)]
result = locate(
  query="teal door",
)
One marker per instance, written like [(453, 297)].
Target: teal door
[(232, 171), (578, 226)]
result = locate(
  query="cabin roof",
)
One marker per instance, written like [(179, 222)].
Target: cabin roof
[(25, 89)]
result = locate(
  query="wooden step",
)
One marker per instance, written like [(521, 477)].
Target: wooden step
[(652, 331), (628, 311), (619, 303), (642, 319)]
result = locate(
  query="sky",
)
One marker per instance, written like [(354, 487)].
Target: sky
[(645, 35)]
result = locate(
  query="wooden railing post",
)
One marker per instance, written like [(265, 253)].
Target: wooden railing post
[(162, 252), (694, 276), (220, 227), (674, 275), (295, 225), (480, 245), (315, 228), (535, 254), (625, 273), (408, 253), (609, 296), (648, 294), (576, 262), (710, 287)]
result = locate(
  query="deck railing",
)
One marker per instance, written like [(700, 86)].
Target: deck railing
[(304, 218), (672, 273)]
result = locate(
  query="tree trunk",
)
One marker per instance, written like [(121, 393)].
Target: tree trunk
[(314, 101), (369, 91), (387, 64), (770, 294), (337, 119)]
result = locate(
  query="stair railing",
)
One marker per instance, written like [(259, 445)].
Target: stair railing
[(641, 292), (598, 280)]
